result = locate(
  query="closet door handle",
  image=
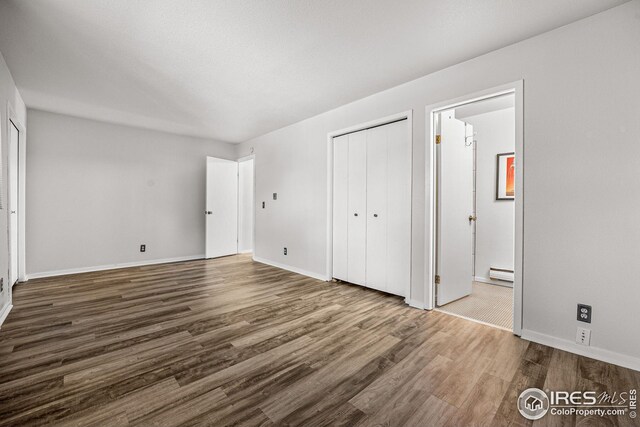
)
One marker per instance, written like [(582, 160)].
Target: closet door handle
[(355, 214), (375, 215)]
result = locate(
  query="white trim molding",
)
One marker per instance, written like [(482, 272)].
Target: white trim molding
[(292, 269), (112, 266), (4, 313), (587, 351)]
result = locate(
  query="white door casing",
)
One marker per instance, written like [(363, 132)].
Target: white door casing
[(221, 210)]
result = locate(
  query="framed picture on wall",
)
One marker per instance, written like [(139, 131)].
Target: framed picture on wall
[(506, 176)]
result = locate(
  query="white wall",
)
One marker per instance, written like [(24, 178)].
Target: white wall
[(581, 130), (96, 191), (495, 133), (245, 206), (8, 96)]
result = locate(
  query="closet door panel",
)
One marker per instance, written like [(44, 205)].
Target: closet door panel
[(399, 213), (377, 208), (340, 206), (357, 212)]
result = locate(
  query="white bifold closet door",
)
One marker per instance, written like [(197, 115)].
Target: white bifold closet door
[(372, 208), (398, 256), (377, 206), (357, 211), (340, 207)]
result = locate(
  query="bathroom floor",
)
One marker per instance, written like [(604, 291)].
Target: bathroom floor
[(487, 303)]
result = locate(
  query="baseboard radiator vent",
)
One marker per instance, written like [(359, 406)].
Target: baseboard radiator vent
[(501, 274)]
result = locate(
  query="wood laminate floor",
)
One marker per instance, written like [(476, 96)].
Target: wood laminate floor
[(233, 342)]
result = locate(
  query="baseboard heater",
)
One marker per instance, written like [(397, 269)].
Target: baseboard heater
[(501, 274)]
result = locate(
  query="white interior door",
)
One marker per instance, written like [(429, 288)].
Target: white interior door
[(377, 208), (14, 138), (340, 207), (357, 197), (455, 206), (398, 208), (221, 208)]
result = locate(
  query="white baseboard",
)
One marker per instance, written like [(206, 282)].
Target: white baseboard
[(587, 351), (248, 251), (290, 268), (493, 282), (112, 266), (4, 313)]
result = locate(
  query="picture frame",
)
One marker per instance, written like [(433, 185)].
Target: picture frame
[(505, 176)]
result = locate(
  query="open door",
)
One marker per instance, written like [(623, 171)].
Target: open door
[(455, 215), (14, 141), (221, 208)]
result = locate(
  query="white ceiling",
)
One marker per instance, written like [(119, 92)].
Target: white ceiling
[(234, 69)]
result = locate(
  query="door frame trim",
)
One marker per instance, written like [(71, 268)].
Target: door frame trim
[(517, 88), (12, 117), (408, 115)]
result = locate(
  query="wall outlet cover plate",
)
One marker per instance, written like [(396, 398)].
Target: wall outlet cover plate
[(583, 336), (584, 313)]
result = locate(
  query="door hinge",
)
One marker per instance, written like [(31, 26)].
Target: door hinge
[(438, 139), (437, 279)]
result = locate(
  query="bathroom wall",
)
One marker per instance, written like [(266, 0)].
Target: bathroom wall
[(494, 134)]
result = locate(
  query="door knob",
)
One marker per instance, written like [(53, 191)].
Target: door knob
[(13, 212), (472, 218), (355, 214), (208, 212), (375, 215)]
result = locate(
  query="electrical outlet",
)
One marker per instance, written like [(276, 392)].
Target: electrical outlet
[(1, 284), (143, 248), (275, 196), (583, 336), (262, 205), (285, 251), (584, 313)]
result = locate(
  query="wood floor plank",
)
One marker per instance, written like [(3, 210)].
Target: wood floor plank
[(234, 342), (432, 412)]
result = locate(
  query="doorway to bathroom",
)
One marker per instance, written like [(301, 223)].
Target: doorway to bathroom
[(475, 199)]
